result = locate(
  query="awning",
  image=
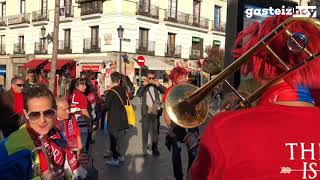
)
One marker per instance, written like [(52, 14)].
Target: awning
[(60, 64), (34, 64), (156, 63)]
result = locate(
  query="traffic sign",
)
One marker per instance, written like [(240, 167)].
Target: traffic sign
[(140, 61)]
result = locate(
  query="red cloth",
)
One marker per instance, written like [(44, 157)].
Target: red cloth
[(165, 94), (78, 100), (70, 131), (18, 102), (91, 98), (255, 144)]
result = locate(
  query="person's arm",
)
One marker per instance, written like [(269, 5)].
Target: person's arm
[(161, 88), (142, 88), (108, 100), (85, 112)]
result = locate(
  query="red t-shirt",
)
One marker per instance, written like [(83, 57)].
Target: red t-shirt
[(263, 142), (78, 100), (165, 94), (18, 102)]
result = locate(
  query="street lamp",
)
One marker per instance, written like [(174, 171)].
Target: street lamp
[(43, 35), (120, 35)]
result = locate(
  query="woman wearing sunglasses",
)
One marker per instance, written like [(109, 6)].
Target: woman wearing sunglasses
[(40, 115)]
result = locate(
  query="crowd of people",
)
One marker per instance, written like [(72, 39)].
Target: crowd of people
[(49, 137)]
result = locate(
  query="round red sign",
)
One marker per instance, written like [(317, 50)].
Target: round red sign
[(140, 60)]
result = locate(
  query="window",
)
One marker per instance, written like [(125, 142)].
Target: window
[(67, 38), (3, 10), (2, 44), (217, 16), (143, 37), (22, 6), (196, 10), (67, 7), (171, 41), (94, 36), (172, 6), (144, 5), (21, 43), (197, 46)]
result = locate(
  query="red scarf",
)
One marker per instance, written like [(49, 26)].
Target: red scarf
[(68, 130), (17, 102), (57, 148)]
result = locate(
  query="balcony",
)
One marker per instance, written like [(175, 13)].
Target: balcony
[(173, 51), (147, 10), (66, 11), (20, 20), (64, 47), (18, 48), (2, 49), (3, 21), (41, 15), (91, 8), (91, 45), (40, 48), (145, 47), (221, 27), (195, 54), (186, 19)]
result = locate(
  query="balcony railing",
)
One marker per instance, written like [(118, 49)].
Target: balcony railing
[(66, 11), (41, 15), (18, 48), (219, 27), (145, 47), (64, 47), (3, 21), (147, 10), (195, 54), (91, 45), (173, 51), (40, 48), (19, 19), (92, 7), (2, 49), (186, 19)]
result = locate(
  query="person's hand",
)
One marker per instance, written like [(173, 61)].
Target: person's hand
[(145, 82), (47, 175), (83, 159), (156, 82)]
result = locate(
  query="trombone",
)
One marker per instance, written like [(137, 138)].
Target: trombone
[(186, 104)]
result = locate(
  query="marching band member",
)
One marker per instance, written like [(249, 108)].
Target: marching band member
[(279, 135)]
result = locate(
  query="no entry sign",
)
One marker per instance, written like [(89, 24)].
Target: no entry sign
[(140, 61)]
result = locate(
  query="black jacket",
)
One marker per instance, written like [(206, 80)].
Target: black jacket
[(116, 113)]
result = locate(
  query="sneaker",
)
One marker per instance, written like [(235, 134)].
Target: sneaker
[(113, 162), (121, 158)]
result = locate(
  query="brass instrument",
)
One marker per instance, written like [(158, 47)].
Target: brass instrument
[(185, 103), (47, 156)]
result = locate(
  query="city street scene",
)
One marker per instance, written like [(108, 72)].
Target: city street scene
[(159, 89)]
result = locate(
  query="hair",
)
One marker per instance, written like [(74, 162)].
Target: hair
[(116, 77), (75, 83), (151, 72), (176, 73), (264, 66), (38, 91), (15, 79)]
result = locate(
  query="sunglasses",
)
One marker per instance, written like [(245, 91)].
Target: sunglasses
[(48, 114), (152, 78), (20, 85)]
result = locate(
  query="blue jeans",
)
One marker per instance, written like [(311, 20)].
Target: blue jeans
[(176, 158)]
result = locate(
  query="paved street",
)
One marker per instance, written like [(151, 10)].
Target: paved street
[(137, 167)]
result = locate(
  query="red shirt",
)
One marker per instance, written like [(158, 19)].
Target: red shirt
[(264, 142), (78, 100), (18, 102)]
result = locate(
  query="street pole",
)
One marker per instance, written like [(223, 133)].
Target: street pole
[(140, 76), (120, 61), (55, 45)]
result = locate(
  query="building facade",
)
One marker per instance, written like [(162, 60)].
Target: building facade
[(163, 31)]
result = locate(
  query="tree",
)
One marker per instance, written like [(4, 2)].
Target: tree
[(213, 64)]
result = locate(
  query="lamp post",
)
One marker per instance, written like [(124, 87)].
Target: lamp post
[(120, 35)]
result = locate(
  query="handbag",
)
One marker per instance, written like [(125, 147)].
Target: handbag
[(129, 109), (156, 106)]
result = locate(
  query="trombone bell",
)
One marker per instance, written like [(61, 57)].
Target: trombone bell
[(182, 112)]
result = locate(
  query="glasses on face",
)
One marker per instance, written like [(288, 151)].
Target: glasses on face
[(152, 78), (48, 114), (20, 85)]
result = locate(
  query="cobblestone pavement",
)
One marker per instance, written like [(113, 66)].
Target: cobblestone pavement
[(136, 167)]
